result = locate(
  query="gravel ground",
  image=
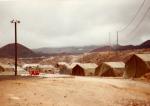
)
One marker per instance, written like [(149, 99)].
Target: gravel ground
[(72, 91)]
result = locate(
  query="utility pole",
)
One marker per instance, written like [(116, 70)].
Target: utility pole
[(16, 55), (117, 40), (109, 43), (117, 45)]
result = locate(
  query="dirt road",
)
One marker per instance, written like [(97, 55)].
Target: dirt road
[(78, 91)]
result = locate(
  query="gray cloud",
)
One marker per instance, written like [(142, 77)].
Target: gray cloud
[(72, 22)]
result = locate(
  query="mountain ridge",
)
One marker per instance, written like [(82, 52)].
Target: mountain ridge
[(24, 52), (92, 48), (143, 45)]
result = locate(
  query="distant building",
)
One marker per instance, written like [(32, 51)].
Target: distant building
[(110, 69), (137, 65)]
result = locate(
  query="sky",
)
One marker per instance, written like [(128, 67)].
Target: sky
[(61, 23)]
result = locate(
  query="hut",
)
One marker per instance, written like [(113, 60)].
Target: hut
[(137, 65), (84, 69), (110, 69)]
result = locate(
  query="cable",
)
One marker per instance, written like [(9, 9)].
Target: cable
[(139, 9), (140, 21)]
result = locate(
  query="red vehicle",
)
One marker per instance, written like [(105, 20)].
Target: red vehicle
[(34, 72)]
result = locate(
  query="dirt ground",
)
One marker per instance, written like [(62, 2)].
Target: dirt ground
[(77, 91)]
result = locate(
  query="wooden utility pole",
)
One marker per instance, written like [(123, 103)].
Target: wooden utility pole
[(109, 43), (16, 54), (117, 45), (117, 40)]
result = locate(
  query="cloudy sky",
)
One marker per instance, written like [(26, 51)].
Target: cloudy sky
[(57, 23)]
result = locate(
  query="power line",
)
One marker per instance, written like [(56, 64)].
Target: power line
[(139, 9), (142, 19)]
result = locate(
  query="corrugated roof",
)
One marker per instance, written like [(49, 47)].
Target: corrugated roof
[(115, 64), (145, 57)]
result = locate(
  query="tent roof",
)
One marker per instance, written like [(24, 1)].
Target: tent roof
[(63, 63), (144, 57), (72, 65), (87, 65), (83, 65), (46, 66), (115, 64), (30, 65)]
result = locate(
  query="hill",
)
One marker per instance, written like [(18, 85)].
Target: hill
[(144, 45), (84, 49), (24, 52)]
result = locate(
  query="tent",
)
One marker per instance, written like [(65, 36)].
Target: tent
[(48, 69), (7, 67), (26, 66), (78, 70), (66, 68), (110, 69), (62, 64), (2, 69), (63, 68), (84, 69), (137, 65)]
